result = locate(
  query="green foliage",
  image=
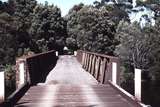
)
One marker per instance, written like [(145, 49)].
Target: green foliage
[(10, 76), (27, 26), (127, 73), (7, 39), (140, 47), (48, 28), (10, 80), (116, 12), (22, 19), (141, 2), (71, 42), (91, 29)]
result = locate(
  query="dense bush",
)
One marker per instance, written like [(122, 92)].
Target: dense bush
[(90, 28), (10, 79), (48, 29), (139, 47)]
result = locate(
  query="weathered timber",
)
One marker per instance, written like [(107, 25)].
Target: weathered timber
[(73, 96), (69, 71)]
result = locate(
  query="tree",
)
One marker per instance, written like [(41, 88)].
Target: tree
[(91, 29), (116, 11), (22, 19), (139, 47), (8, 41), (48, 28), (146, 2)]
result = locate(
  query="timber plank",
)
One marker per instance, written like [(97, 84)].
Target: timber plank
[(82, 96)]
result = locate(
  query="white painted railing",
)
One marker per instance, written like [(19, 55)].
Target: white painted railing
[(2, 84), (114, 72), (56, 53), (75, 53), (21, 72), (137, 84)]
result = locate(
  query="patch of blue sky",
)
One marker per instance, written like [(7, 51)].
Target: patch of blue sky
[(65, 5), (142, 11)]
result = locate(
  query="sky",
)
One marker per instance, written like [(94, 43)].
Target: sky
[(65, 5), (137, 16)]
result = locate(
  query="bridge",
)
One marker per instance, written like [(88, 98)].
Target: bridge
[(83, 80)]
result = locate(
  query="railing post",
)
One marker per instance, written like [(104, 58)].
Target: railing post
[(87, 60), (2, 85), (83, 57), (102, 70), (84, 60), (75, 53), (56, 53), (21, 68), (90, 64), (93, 65), (114, 72), (97, 67), (137, 84)]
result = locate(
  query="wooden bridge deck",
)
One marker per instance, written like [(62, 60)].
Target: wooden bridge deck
[(69, 71), (68, 85)]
